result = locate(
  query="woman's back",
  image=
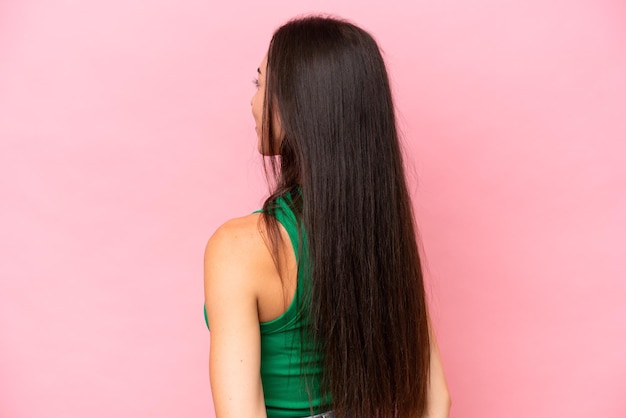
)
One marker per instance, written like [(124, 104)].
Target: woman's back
[(325, 118)]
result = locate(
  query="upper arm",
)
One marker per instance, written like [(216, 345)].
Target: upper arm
[(230, 262)]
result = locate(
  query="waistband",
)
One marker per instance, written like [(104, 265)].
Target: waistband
[(329, 414)]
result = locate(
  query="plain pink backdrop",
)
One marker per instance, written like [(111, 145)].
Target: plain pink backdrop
[(126, 139)]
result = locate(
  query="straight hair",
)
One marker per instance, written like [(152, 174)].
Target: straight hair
[(327, 84)]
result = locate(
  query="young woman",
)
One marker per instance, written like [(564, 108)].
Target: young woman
[(316, 302)]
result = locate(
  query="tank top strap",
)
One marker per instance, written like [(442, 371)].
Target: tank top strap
[(283, 212)]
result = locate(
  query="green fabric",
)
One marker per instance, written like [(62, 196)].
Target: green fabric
[(286, 356)]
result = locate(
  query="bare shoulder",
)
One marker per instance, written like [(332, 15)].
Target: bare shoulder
[(236, 254), (236, 232)]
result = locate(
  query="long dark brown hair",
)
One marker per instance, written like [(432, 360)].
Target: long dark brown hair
[(327, 84)]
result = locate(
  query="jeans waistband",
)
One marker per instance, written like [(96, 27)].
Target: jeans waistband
[(329, 414)]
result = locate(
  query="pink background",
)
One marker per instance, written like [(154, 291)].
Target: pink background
[(126, 139)]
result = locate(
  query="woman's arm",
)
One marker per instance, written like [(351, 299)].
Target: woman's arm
[(438, 396), (231, 258)]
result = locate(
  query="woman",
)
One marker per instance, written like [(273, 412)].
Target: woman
[(316, 302)]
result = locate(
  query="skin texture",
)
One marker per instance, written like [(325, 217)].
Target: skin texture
[(243, 287)]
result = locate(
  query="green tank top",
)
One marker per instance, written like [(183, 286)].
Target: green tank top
[(286, 356)]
